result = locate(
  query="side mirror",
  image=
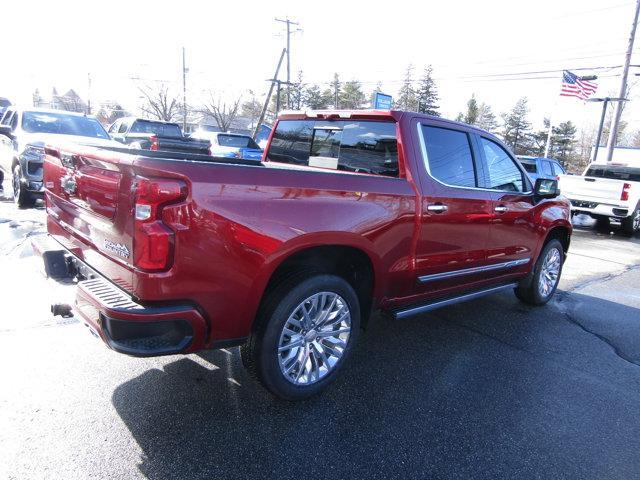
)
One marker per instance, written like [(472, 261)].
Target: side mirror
[(546, 188), (6, 131)]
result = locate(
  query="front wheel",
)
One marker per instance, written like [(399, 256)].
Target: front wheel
[(540, 287), (21, 196), (304, 335)]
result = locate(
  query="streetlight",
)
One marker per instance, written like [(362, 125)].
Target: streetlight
[(605, 101)]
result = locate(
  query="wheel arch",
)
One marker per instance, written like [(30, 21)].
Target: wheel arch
[(350, 260)]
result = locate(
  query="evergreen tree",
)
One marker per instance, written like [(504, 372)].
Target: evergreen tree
[(313, 97), (471, 117), (407, 94), (427, 94), (538, 140), (334, 92), (297, 93), (516, 126), (486, 119), (564, 139), (352, 96)]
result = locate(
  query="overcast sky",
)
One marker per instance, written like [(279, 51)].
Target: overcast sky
[(486, 48)]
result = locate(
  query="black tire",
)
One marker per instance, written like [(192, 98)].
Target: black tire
[(260, 354), (631, 224), (529, 289), (21, 197)]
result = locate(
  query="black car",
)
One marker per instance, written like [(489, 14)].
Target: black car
[(25, 132), (143, 134)]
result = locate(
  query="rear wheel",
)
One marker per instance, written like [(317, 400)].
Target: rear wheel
[(21, 196), (305, 333), (631, 224), (540, 287)]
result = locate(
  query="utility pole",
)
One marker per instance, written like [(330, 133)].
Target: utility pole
[(184, 92), (617, 110), (288, 48), (266, 101)]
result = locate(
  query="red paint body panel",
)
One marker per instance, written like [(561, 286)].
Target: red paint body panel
[(239, 223)]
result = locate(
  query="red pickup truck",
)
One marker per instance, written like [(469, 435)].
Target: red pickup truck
[(349, 212)]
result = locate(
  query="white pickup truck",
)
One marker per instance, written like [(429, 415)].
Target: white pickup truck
[(606, 192)]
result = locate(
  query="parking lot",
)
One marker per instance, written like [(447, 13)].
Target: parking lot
[(484, 389)]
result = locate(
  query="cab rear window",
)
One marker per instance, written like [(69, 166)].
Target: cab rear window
[(617, 173), (348, 145)]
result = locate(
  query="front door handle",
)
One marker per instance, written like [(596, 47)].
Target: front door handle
[(437, 207), (500, 209)]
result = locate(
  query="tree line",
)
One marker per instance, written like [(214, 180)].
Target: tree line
[(417, 92)]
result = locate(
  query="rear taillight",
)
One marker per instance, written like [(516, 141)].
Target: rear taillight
[(625, 191), (154, 143), (153, 240)]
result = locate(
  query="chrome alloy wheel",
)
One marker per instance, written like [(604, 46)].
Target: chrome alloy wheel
[(314, 338), (549, 273), (636, 220)]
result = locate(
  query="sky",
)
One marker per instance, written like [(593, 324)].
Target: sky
[(486, 48)]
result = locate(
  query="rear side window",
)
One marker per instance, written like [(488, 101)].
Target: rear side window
[(449, 158), (236, 141), (529, 166), (546, 168), (348, 145), (557, 169), (503, 173)]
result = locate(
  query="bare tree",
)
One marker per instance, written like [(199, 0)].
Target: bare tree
[(223, 112), (160, 103)]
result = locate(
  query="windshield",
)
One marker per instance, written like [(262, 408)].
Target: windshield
[(62, 124), (156, 128), (236, 141)]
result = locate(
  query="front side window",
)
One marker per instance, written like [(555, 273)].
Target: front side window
[(6, 120), (449, 157), (348, 145), (502, 172)]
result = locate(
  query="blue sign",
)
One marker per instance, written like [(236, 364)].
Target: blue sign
[(382, 101)]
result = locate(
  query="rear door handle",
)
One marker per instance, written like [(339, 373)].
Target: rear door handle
[(437, 207), (500, 209)]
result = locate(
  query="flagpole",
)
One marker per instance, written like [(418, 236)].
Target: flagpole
[(548, 146)]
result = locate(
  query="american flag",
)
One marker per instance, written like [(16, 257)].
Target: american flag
[(572, 86)]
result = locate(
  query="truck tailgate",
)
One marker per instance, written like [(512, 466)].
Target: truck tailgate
[(89, 206), (591, 188)]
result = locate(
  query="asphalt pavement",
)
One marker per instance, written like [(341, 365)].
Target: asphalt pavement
[(488, 389)]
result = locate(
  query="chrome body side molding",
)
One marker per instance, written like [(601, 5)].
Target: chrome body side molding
[(469, 271)]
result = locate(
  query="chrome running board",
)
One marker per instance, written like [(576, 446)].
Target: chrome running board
[(433, 305)]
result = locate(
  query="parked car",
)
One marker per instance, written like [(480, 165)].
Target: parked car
[(143, 134), (606, 192), (231, 145), (23, 136), (350, 212), (540, 167)]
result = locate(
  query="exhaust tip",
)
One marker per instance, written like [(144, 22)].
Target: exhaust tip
[(61, 309)]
